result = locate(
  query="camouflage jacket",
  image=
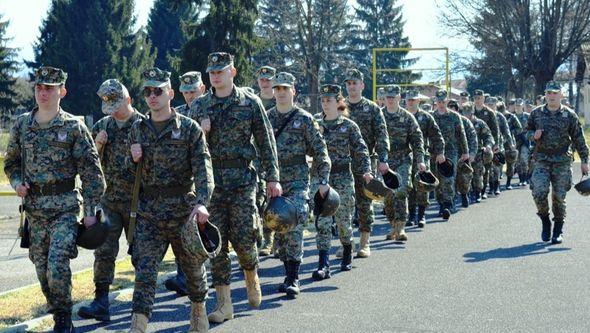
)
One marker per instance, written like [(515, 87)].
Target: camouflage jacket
[(433, 140), (506, 138), (562, 133), (268, 103), (175, 157), (368, 116), (113, 158), (183, 110), (55, 153), (345, 143), (471, 135), (523, 118), (488, 116), (300, 136), (452, 130), (484, 135), (240, 130), (405, 136)]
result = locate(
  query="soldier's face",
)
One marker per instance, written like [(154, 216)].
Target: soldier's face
[(46, 95), (553, 98), (222, 78), (412, 104), (264, 83), (392, 101), (511, 108), (478, 100), (158, 98), (190, 96), (463, 100), (355, 87), (441, 105), (284, 95), (329, 104)]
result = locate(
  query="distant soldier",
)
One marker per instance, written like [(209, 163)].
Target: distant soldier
[(488, 115), (523, 144), (505, 141), (47, 149), (463, 99), (557, 132), (381, 97), (111, 135), (191, 87), (463, 181), (264, 77), (510, 148)]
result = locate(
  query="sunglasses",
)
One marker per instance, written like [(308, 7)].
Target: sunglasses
[(147, 92)]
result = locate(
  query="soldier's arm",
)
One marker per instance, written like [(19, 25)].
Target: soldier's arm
[(577, 135), (88, 166), (495, 128), (202, 169), (437, 142), (416, 140), (461, 137), (517, 125), (488, 139), (265, 142), (506, 133), (12, 160), (472, 137), (360, 152), (321, 160), (382, 138)]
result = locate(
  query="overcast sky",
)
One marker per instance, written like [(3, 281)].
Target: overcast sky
[(422, 26)]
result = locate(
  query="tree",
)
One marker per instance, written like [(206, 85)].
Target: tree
[(104, 47), (8, 66), (535, 38), (381, 26)]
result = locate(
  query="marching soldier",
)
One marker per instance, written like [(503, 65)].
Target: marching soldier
[(369, 118), (522, 144), (511, 151), (264, 77), (238, 130), (463, 180), (463, 99), (381, 97), (557, 132), (191, 87), (505, 141), (488, 115), (111, 135), (47, 149)]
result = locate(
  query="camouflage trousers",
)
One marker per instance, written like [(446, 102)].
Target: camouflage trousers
[(415, 197), (396, 205), (267, 234), (106, 254), (557, 175), (52, 245), (478, 174), (290, 245), (158, 225), (510, 167), (234, 213), (463, 181), (343, 183), (495, 172), (445, 192), (522, 165), (364, 205), (486, 174)]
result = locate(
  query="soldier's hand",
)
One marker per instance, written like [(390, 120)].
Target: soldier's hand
[(368, 176), (200, 213), (273, 189), (324, 190), (22, 189), (538, 134), (383, 167), (89, 221), (584, 168), (101, 139), (206, 125), (136, 152), (421, 166), (440, 158), (464, 157)]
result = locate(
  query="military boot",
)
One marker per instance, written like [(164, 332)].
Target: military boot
[(177, 283), (283, 286), (464, 200), (477, 196), (421, 216), (293, 287), (139, 323), (323, 271), (63, 323), (224, 310), (546, 233), (484, 195), (446, 214), (393, 233), (199, 321), (401, 233), (365, 245), (268, 244), (411, 216), (508, 181), (346, 263), (253, 287), (520, 179), (557, 237), (99, 308), (497, 187)]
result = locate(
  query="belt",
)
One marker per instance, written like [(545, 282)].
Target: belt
[(553, 151), (230, 164), (53, 188), (165, 191), (340, 168), (295, 160)]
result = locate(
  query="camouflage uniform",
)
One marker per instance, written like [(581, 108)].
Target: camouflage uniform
[(505, 140), (489, 117), (267, 72), (55, 153), (189, 81), (484, 139), (524, 149), (463, 181), (515, 130)]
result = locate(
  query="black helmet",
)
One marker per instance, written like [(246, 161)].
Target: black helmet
[(201, 240), (446, 168), (326, 206), (376, 190), (392, 179), (425, 181), (94, 236), (280, 215), (499, 158), (464, 167), (583, 187)]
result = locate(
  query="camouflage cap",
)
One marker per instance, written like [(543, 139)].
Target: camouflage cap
[(50, 76), (491, 100), (190, 81), (412, 94), (552, 86), (284, 79), (155, 77), (266, 72), (464, 94), (392, 90), (478, 92), (113, 94), (453, 104), (353, 74), (467, 109), (512, 101), (381, 92), (329, 90), (440, 95), (218, 61), (519, 101)]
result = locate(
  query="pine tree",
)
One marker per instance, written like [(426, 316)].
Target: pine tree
[(92, 40), (8, 66)]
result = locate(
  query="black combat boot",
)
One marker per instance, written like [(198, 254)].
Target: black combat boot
[(546, 233), (323, 271), (464, 200), (446, 214), (411, 216), (63, 323), (484, 195), (477, 196), (293, 287), (346, 264), (557, 237), (99, 308), (508, 185), (421, 216), (283, 286), (178, 282), (497, 187)]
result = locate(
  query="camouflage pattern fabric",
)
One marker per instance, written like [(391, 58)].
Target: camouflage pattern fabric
[(515, 130), (290, 245), (523, 146), (484, 139), (183, 110), (106, 255), (396, 204), (463, 180), (489, 117), (343, 184), (268, 103)]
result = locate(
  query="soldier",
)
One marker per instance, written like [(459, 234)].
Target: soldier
[(557, 132), (488, 115), (463, 98), (485, 142), (111, 138), (47, 149), (463, 181), (191, 87), (381, 97), (238, 130), (176, 185), (522, 144), (510, 148), (346, 148), (264, 77), (406, 145), (456, 148), (369, 118), (296, 134), (433, 144), (505, 141)]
